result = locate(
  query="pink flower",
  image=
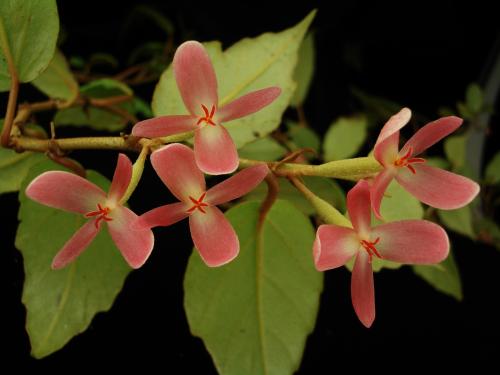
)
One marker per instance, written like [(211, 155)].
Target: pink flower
[(212, 234), (407, 241), (215, 150), (73, 193), (433, 186)]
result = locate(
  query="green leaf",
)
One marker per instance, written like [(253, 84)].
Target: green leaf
[(303, 137), (325, 188), (492, 173), (444, 277), (345, 137), (474, 98), (98, 118), (459, 220), (304, 70), (57, 81), (398, 204), (266, 149), (250, 64), (454, 148), (488, 232), (464, 111), (438, 162), (15, 166), (254, 314), (381, 108), (61, 304), (28, 34)]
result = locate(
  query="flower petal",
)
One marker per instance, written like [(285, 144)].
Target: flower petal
[(134, 244), (65, 191), (358, 206), (215, 151), (176, 166), (412, 242), (162, 216), (431, 133), (387, 145), (163, 126), (214, 237), (362, 290), (237, 185), (195, 77), (437, 187), (378, 188), (75, 245), (248, 104), (121, 178), (334, 246)]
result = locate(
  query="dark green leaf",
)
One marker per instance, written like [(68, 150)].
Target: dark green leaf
[(99, 118), (444, 277), (61, 304), (303, 137), (325, 188), (492, 173), (266, 149), (28, 33), (454, 148), (254, 314), (474, 98), (459, 220)]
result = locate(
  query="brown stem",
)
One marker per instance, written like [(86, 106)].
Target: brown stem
[(273, 188), (11, 108), (302, 116)]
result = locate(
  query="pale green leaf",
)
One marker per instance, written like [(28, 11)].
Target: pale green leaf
[(325, 188), (254, 314), (28, 33), (14, 167), (345, 137), (98, 118), (266, 149), (57, 81), (444, 277), (398, 204), (454, 148), (474, 98), (304, 70), (492, 173), (459, 220), (250, 64), (61, 304)]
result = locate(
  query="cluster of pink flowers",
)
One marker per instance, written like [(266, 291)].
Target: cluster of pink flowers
[(181, 170)]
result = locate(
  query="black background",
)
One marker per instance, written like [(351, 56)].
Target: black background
[(417, 54)]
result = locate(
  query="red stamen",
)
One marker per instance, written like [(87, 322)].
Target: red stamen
[(406, 161), (101, 214), (198, 204), (371, 249), (208, 116)]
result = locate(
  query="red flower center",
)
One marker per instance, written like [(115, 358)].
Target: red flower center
[(101, 213), (198, 204), (208, 116), (371, 249), (406, 161)]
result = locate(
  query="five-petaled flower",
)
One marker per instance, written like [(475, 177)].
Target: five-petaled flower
[(407, 241), (433, 186), (214, 148), (73, 193), (212, 234)]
